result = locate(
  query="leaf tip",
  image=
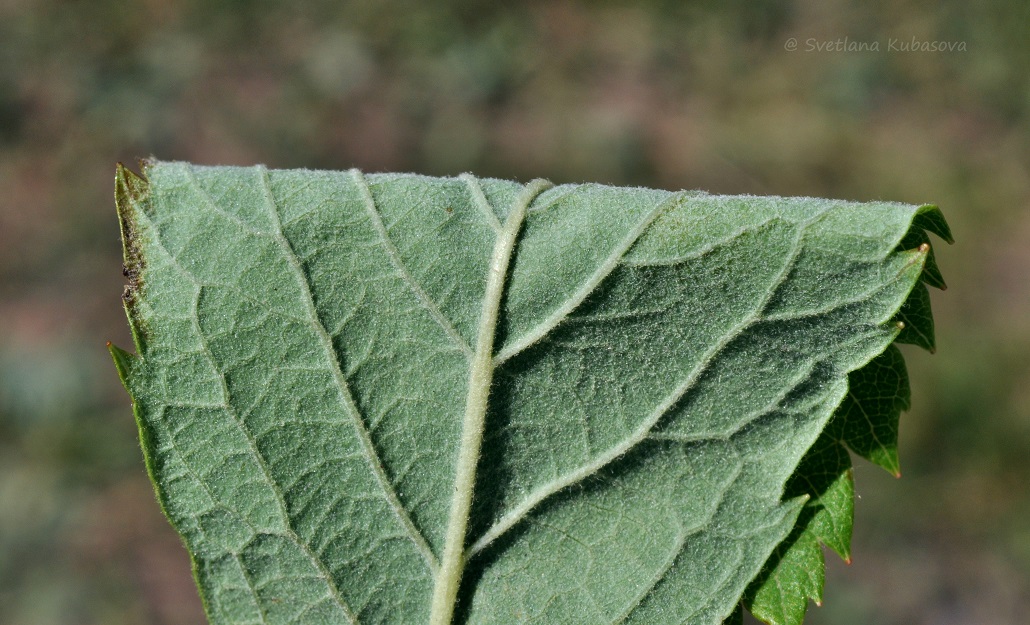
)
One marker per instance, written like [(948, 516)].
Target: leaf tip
[(890, 463)]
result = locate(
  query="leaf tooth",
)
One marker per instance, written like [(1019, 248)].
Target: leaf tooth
[(123, 361), (930, 218), (916, 318)]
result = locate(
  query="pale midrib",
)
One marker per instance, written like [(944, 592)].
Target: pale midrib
[(398, 264), (452, 565), (262, 464), (368, 448), (641, 433)]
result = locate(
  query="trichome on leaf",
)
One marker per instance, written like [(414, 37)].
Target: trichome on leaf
[(401, 399)]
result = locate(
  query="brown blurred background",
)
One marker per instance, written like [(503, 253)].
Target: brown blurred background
[(660, 93)]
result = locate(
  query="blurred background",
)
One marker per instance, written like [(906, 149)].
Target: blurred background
[(766, 97)]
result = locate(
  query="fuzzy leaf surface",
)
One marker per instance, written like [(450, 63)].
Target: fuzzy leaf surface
[(308, 345)]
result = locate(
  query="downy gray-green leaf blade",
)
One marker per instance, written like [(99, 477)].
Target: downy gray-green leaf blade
[(660, 364)]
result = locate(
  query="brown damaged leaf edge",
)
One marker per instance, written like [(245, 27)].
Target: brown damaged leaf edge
[(131, 190), (132, 195)]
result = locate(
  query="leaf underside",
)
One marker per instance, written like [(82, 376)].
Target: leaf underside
[(673, 379)]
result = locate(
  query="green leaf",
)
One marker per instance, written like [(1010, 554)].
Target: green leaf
[(399, 399), (795, 571), (867, 423)]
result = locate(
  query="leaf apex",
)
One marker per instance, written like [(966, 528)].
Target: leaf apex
[(887, 460)]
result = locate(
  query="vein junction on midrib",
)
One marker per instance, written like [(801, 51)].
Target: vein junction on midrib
[(600, 460), (452, 564)]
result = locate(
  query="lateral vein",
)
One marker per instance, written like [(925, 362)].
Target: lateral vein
[(535, 498), (291, 533), (398, 263), (483, 204), (213, 205), (604, 269), (343, 387)]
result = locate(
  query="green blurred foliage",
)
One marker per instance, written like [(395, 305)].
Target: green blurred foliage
[(658, 93)]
